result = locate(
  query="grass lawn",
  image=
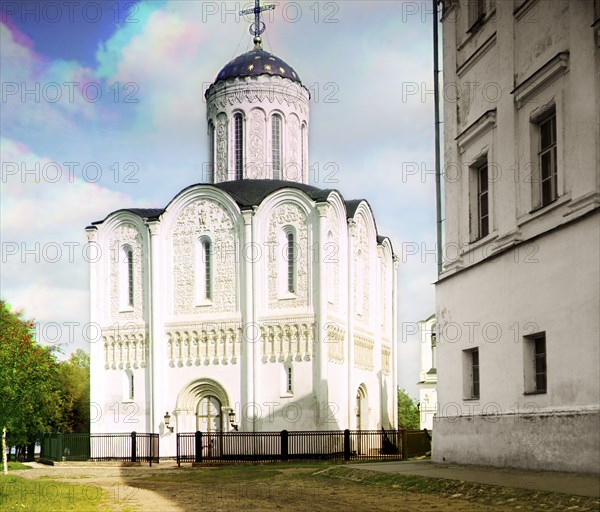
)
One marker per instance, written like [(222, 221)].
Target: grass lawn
[(13, 466), (17, 493)]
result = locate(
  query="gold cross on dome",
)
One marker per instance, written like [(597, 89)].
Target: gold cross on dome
[(258, 27)]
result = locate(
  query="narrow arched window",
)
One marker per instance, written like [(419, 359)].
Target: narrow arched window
[(276, 141), (210, 178), (330, 254), (302, 149), (130, 276), (204, 271), (131, 387), (127, 286), (291, 265), (359, 283), (207, 267), (238, 125), (128, 386)]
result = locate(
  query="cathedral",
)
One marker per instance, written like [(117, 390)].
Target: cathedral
[(253, 301)]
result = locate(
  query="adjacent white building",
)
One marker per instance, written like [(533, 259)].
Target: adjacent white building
[(252, 301), (518, 300), (428, 373)]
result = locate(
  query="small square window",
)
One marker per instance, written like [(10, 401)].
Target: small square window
[(287, 379)]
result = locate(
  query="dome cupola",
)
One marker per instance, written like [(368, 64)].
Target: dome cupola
[(258, 118)]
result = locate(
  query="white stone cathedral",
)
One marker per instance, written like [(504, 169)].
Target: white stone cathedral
[(252, 302)]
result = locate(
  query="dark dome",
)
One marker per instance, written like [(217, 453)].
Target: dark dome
[(257, 62)]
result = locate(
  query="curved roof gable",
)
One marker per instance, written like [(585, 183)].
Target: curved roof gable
[(249, 193)]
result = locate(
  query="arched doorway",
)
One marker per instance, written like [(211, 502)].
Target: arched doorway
[(362, 418), (362, 411), (203, 405), (209, 416)]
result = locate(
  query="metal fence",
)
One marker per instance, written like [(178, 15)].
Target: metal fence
[(131, 447), (284, 446)]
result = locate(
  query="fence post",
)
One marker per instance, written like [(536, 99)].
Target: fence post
[(404, 436), (178, 440), (284, 445), (346, 444), (151, 447), (198, 447), (133, 447), (59, 444)]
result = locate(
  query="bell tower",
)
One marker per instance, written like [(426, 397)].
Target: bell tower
[(258, 116)]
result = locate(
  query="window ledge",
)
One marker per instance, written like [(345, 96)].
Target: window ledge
[(472, 399), (479, 242), (526, 393), (204, 303), (286, 395), (287, 296), (127, 309), (542, 210)]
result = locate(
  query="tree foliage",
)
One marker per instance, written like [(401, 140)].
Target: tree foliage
[(30, 400), (74, 378), (37, 392), (408, 411)]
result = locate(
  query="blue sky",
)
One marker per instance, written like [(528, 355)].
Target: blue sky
[(102, 108)]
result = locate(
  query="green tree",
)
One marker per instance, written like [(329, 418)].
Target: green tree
[(408, 411), (74, 378), (30, 400)]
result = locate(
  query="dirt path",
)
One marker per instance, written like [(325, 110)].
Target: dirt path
[(168, 488)]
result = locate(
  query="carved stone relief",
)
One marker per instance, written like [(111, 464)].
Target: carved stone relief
[(256, 167), (126, 234), (205, 344), (288, 214), (221, 160), (204, 217)]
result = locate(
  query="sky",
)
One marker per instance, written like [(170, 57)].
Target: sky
[(103, 108)]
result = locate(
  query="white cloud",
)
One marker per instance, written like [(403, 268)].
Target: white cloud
[(44, 267)]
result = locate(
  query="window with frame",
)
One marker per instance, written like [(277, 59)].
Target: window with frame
[(129, 253), (477, 11), (204, 270), (128, 386), (287, 378), (302, 150), (330, 270), (471, 387), (131, 386), (548, 170), (483, 199), (360, 290), (291, 263), (534, 364), (238, 125), (276, 145), (210, 178), (126, 278)]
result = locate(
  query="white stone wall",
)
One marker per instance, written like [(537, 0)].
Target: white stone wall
[(537, 271), (241, 342)]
